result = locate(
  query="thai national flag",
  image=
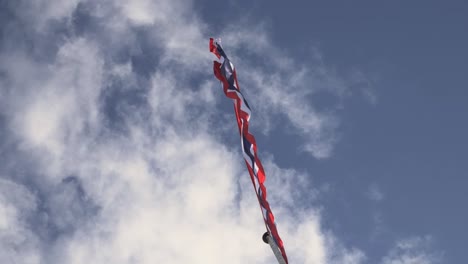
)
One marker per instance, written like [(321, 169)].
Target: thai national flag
[(226, 73)]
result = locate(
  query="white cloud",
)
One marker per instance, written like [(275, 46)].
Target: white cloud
[(283, 87), (18, 244), (374, 193), (40, 12), (413, 250), (144, 12), (59, 106), (364, 83)]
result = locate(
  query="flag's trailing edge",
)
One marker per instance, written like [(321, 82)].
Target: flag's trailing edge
[(226, 73)]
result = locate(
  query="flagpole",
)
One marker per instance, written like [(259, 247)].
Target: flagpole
[(270, 241)]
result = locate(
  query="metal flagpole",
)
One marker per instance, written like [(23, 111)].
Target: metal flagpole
[(270, 241)]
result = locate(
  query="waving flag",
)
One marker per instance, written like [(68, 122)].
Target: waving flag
[(226, 73)]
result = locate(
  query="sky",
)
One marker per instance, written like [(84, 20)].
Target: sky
[(117, 144)]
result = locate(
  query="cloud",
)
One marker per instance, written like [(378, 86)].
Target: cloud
[(374, 193), (365, 85), (282, 89), (413, 250), (17, 242)]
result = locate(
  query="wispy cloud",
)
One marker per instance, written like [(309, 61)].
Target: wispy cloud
[(17, 242), (282, 88), (413, 250), (374, 193)]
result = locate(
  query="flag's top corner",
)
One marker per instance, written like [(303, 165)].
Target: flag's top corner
[(215, 47)]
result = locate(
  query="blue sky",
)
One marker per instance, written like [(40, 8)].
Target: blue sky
[(117, 143)]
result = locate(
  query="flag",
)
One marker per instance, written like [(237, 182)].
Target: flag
[(226, 74)]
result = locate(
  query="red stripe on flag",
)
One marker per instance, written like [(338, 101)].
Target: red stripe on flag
[(213, 48)]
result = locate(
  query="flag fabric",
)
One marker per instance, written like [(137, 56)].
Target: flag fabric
[(226, 74)]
